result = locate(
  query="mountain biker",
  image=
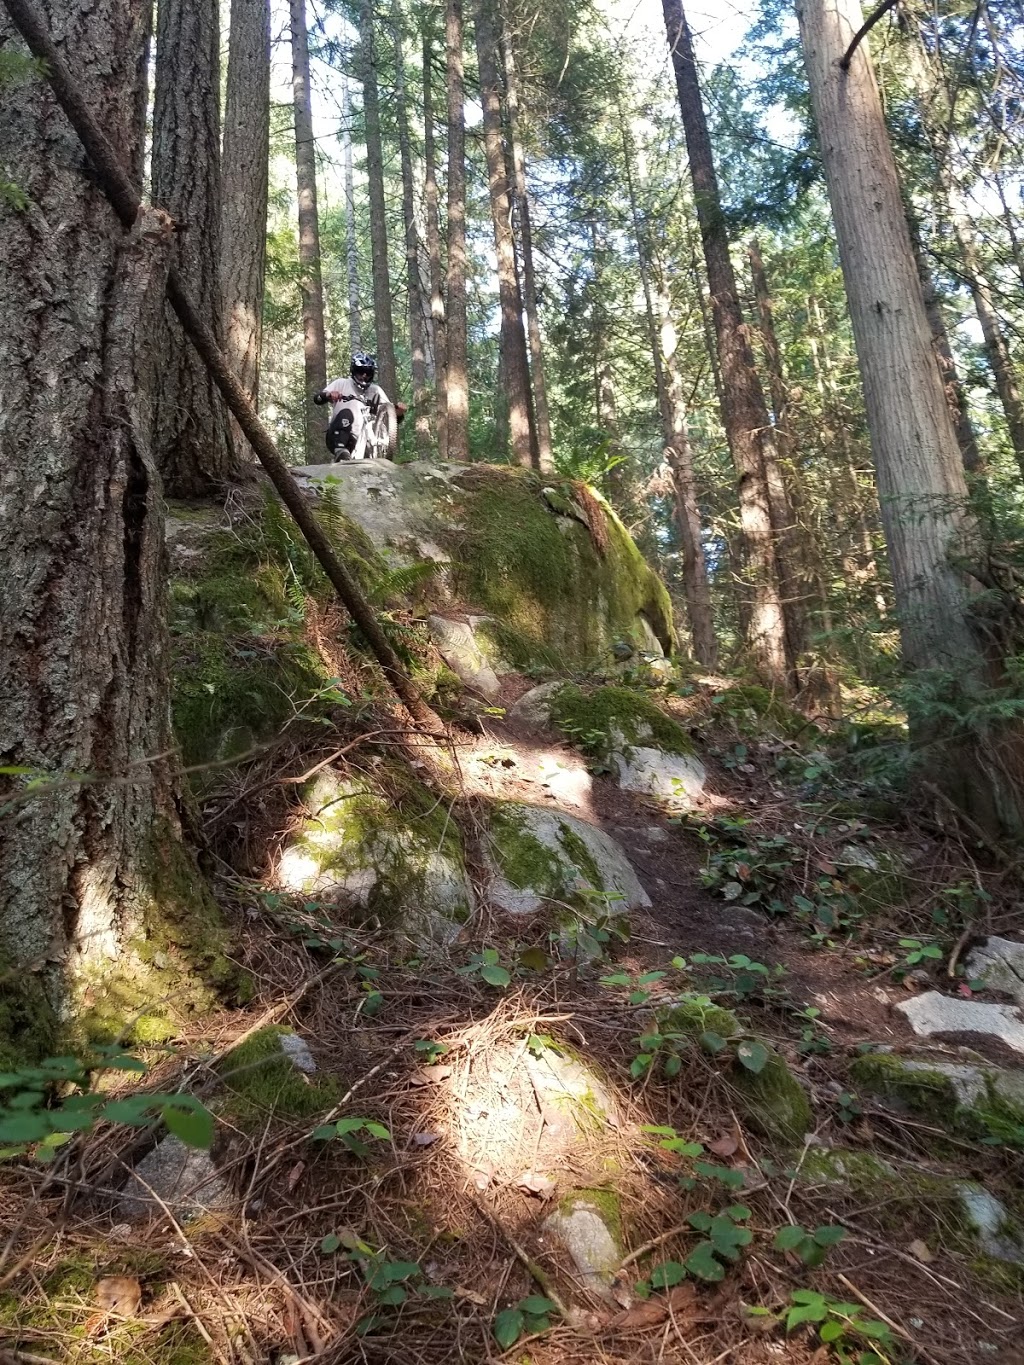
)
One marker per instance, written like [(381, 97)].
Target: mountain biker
[(358, 385)]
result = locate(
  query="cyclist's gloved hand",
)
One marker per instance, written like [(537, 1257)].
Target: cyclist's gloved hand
[(321, 397)]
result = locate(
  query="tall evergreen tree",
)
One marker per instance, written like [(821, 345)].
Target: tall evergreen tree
[(193, 443), (456, 338), (917, 459), (384, 326), (314, 339), (246, 151), (92, 856)]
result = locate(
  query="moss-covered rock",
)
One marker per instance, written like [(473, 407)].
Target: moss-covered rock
[(648, 751), (381, 845), (975, 1100), (534, 563), (697, 1015), (261, 1079), (773, 1100), (538, 856)]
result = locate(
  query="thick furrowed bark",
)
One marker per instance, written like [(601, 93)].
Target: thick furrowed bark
[(111, 175)]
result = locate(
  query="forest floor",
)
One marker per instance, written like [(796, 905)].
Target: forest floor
[(306, 1261)]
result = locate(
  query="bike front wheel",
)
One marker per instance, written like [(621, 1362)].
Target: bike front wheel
[(385, 430)]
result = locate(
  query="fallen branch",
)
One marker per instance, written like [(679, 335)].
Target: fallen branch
[(126, 201)]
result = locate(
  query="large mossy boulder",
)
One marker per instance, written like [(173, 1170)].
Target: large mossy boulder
[(541, 857), (380, 846), (507, 566), (557, 572)]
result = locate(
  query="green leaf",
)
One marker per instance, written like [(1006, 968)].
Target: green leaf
[(537, 1304), (23, 1128), (325, 1131), (831, 1331), (657, 1129), (712, 1042), (829, 1236), (681, 1147), (672, 1065), (394, 1294), (534, 959), (789, 1238), (639, 1064), (400, 1270), (667, 1274), (733, 1179), (700, 1220), (495, 976), (738, 1212), (134, 1110), (377, 1130), (489, 957), (330, 1243), (806, 1313), (753, 1055), (192, 1123), (702, 1263), (349, 1125), (508, 1327)]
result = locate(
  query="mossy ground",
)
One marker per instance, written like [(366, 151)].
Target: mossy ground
[(56, 1319), (262, 1082), (600, 718), (756, 710)]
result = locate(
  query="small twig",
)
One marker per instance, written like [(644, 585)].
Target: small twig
[(864, 30), (196, 1319), (652, 1244), (958, 948), (900, 1331)]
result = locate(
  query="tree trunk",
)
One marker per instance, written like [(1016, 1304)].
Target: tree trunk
[(456, 371), (953, 389), (355, 310), (192, 436), (996, 348), (93, 866), (744, 413), (414, 286), (799, 556), (513, 333), (921, 482), (384, 328), (430, 197), (545, 450), (314, 337), (674, 425), (243, 220)]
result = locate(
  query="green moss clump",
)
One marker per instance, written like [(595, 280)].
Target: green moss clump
[(525, 862), (66, 1301), (696, 1016), (600, 719), (175, 964), (230, 694), (755, 709), (542, 575), (773, 1100), (263, 1081)]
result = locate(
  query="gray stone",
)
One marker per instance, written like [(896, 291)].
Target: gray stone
[(589, 1241), (296, 1049), (999, 962), (568, 783), (972, 1084), (934, 1013), (674, 780), (534, 707), (572, 1098), (654, 834), (991, 1224), (461, 650), (357, 849), (183, 1178), (538, 855)]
